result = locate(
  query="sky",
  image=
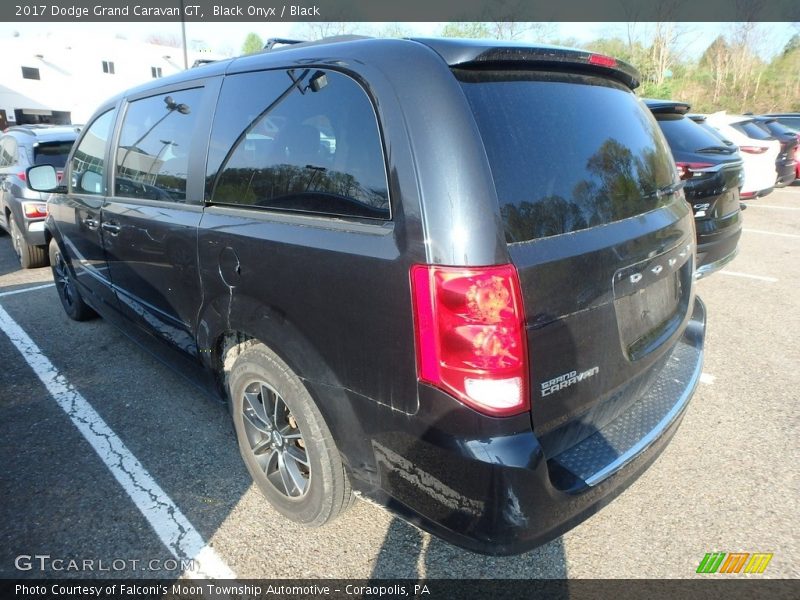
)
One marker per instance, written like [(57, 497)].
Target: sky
[(227, 38)]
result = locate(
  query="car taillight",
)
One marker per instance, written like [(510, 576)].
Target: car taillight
[(602, 61), (753, 149), (34, 210), (687, 170), (470, 334), (22, 176)]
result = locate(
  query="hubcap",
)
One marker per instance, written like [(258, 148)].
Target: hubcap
[(275, 440)]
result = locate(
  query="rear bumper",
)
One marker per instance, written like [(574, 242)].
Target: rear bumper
[(715, 250), (787, 173), (499, 494)]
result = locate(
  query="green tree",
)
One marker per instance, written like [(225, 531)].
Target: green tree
[(252, 44), (472, 29)]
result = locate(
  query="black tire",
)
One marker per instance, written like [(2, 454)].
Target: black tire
[(30, 257), (266, 396), (68, 293)]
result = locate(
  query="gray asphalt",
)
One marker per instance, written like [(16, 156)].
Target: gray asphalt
[(727, 482)]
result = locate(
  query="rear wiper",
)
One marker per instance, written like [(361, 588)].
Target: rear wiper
[(667, 190), (723, 149)]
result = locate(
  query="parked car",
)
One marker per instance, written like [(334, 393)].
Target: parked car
[(759, 153), (22, 211), (713, 172), (788, 163), (475, 307), (791, 120)]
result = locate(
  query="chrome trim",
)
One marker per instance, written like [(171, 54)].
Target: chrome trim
[(715, 266), (654, 433)]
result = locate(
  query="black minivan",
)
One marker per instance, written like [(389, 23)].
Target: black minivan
[(453, 277), (713, 173)]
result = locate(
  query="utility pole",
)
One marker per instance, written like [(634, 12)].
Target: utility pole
[(183, 38)]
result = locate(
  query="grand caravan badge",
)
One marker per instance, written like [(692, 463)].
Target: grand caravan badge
[(567, 379)]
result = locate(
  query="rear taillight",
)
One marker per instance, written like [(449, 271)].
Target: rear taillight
[(22, 176), (34, 210), (687, 170), (753, 149), (470, 335)]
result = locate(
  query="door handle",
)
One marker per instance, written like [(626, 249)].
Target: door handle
[(111, 228), (91, 222)]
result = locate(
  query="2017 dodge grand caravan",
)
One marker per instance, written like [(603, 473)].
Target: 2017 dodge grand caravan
[(453, 277)]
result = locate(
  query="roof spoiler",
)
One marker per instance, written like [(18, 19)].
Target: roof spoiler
[(514, 55)]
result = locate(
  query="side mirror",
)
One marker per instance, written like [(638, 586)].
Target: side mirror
[(92, 182), (42, 178)]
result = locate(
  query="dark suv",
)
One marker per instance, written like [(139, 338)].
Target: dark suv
[(454, 277), (22, 211), (713, 172)]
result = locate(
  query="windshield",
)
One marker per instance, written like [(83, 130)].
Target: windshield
[(567, 151)]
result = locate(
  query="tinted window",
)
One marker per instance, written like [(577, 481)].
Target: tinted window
[(715, 132), (153, 154), (685, 135), (52, 153), (312, 146), (776, 129), (751, 129), (567, 152), (87, 168)]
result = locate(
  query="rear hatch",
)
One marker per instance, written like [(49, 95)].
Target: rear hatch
[(712, 169), (598, 228)]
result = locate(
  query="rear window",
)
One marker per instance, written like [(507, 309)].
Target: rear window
[(777, 129), (753, 130), (685, 135), (52, 153), (567, 151)]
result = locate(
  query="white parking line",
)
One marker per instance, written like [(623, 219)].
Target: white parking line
[(789, 235), (28, 289), (707, 378), (169, 523), (773, 206), (749, 276)]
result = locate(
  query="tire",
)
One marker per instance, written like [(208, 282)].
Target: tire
[(284, 441), (68, 293), (30, 257)]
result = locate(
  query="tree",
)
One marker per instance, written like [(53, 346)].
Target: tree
[(471, 29), (252, 44)]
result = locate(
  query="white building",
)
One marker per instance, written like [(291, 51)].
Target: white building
[(62, 78)]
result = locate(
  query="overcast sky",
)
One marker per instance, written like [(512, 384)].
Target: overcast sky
[(227, 38)]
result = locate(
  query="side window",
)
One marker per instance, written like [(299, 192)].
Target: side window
[(153, 154), (8, 152), (303, 140), (87, 168)]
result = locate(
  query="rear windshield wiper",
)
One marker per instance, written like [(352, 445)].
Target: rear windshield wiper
[(666, 190), (722, 149)]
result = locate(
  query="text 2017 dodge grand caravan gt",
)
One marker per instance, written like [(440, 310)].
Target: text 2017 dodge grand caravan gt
[(453, 277)]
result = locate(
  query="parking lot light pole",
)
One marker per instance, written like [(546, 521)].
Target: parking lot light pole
[(183, 38)]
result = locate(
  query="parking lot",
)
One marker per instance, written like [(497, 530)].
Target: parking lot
[(166, 481)]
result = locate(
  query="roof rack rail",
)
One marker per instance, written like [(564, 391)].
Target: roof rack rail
[(202, 61), (272, 42)]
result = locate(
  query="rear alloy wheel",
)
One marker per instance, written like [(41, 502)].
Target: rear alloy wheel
[(70, 297), (284, 441), (30, 257)]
